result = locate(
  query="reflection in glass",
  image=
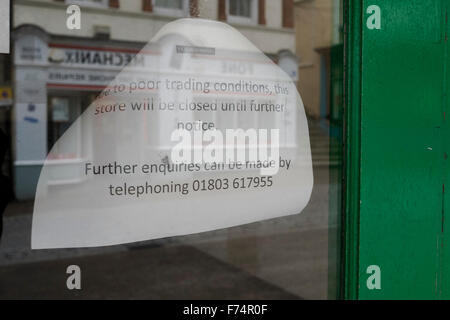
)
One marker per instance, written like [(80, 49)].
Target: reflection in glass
[(170, 4), (241, 8), (57, 76)]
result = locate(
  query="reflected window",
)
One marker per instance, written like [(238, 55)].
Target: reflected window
[(63, 111), (242, 11), (176, 8), (96, 3), (241, 8), (170, 4)]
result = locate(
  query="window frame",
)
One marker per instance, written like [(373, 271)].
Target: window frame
[(252, 20)]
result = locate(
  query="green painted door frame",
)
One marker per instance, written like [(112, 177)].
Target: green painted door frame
[(396, 146), (351, 159)]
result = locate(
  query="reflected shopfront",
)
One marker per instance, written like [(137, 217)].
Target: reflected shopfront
[(57, 78)]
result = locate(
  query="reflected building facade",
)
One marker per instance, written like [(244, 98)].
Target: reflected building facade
[(58, 72)]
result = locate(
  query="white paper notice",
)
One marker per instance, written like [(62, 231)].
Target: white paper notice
[(200, 131)]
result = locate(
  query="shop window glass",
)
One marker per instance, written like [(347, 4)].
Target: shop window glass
[(289, 257)]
